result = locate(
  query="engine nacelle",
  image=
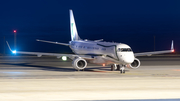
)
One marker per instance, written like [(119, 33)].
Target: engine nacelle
[(79, 63), (136, 63)]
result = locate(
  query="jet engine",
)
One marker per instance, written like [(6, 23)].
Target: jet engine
[(79, 63), (136, 63)]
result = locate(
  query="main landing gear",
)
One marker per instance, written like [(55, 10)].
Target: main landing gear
[(113, 67), (121, 68)]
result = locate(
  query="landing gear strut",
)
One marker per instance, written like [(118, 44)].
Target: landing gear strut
[(122, 69), (118, 68)]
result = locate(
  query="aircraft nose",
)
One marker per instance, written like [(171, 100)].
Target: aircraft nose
[(128, 59)]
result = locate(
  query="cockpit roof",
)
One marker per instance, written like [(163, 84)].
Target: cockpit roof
[(123, 46)]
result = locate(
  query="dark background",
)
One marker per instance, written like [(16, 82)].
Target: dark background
[(133, 22)]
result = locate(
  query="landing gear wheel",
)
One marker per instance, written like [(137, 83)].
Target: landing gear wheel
[(112, 68), (122, 69), (118, 67)]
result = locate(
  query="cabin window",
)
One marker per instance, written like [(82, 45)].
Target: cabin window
[(124, 50)]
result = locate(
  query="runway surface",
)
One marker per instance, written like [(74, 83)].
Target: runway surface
[(31, 78)]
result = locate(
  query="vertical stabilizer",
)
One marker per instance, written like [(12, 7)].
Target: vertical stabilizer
[(74, 34)]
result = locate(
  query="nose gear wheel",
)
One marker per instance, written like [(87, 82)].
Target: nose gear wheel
[(122, 69)]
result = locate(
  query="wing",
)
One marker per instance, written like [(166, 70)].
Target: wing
[(152, 53), (155, 52), (39, 54)]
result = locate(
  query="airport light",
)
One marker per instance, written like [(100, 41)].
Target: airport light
[(64, 58), (173, 50), (14, 38)]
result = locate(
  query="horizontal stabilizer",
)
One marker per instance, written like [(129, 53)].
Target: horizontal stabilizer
[(53, 42), (98, 40)]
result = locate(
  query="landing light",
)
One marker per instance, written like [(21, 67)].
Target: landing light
[(64, 58), (14, 51)]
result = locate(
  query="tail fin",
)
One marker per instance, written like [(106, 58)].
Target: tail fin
[(74, 34)]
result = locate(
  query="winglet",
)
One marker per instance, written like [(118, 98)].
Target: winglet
[(172, 46), (10, 48)]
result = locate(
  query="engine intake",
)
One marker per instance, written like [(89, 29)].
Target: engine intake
[(136, 63), (79, 63)]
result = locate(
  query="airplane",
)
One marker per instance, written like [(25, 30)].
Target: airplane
[(118, 55)]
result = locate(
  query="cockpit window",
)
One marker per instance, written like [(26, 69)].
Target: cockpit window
[(124, 50)]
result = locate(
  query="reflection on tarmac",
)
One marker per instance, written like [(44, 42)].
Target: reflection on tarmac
[(48, 78)]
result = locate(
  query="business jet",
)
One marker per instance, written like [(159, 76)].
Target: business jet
[(118, 55)]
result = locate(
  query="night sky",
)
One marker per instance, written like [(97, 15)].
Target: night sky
[(133, 22)]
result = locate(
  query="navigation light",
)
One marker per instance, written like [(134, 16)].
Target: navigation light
[(14, 51), (14, 31)]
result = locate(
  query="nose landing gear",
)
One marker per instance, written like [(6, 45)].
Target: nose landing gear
[(121, 68)]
